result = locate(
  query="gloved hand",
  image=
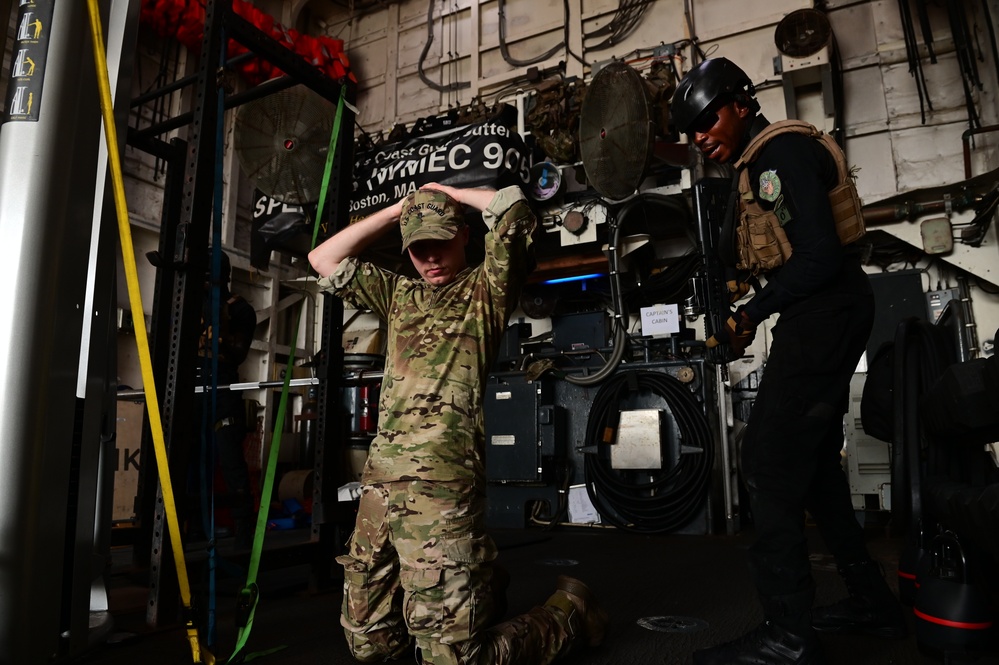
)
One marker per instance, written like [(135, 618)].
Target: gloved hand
[(736, 289), (738, 333)]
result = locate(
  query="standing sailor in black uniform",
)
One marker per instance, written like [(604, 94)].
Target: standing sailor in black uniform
[(792, 220)]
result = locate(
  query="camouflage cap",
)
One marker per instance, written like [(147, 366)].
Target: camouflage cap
[(429, 214)]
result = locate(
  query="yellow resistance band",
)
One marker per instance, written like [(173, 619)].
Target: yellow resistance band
[(145, 361)]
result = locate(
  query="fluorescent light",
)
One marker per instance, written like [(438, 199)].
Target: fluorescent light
[(577, 278)]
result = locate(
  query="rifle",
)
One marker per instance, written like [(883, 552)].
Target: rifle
[(710, 293)]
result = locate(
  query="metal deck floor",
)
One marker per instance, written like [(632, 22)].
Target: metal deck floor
[(667, 595)]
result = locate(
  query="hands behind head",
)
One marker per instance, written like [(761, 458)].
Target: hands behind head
[(395, 210), (453, 192), (474, 197)]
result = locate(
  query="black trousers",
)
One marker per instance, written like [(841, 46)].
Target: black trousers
[(791, 450)]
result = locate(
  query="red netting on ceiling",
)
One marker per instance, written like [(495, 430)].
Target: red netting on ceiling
[(184, 20)]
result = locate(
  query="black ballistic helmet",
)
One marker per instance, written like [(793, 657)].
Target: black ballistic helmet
[(702, 85)]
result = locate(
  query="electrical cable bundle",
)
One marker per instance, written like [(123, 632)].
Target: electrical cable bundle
[(914, 59), (454, 86), (973, 232), (671, 498), (667, 286), (964, 48), (626, 18), (617, 294), (549, 522), (509, 59)]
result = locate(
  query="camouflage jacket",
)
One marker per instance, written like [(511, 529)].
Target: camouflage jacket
[(442, 342)]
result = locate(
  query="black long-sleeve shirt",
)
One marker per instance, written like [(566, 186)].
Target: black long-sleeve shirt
[(805, 172)]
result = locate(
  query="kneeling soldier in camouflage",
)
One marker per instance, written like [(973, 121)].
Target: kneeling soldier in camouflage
[(421, 519)]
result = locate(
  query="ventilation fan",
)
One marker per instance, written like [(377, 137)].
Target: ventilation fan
[(282, 140), (616, 131), (537, 301), (803, 36)]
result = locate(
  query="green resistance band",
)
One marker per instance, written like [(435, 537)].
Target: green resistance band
[(249, 596)]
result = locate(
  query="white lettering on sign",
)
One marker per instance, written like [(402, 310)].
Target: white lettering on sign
[(660, 320), (265, 205), (455, 157)]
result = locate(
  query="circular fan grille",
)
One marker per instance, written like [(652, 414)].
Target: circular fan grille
[(802, 32), (282, 140), (616, 131), (538, 302)]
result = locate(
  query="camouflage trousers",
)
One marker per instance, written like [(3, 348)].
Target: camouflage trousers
[(419, 567)]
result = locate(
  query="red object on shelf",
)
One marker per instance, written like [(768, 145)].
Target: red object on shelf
[(184, 20)]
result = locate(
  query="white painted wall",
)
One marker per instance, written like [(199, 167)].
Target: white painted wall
[(880, 94), (887, 140)]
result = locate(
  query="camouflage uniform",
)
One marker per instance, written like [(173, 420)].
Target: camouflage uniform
[(421, 519)]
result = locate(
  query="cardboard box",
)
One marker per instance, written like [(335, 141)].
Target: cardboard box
[(128, 442)]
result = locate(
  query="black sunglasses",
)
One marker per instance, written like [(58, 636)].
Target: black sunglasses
[(704, 122), (709, 116)]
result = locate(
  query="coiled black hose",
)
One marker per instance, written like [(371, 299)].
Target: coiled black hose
[(672, 497)]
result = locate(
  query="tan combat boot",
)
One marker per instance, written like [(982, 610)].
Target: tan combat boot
[(587, 619)]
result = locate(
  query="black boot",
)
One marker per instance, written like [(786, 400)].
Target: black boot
[(870, 609), (768, 644)]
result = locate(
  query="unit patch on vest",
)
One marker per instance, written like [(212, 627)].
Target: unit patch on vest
[(769, 185)]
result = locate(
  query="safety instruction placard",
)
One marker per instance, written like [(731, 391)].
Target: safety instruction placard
[(27, 64)]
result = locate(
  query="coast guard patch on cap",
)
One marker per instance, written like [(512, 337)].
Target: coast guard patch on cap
[(769, 185)]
